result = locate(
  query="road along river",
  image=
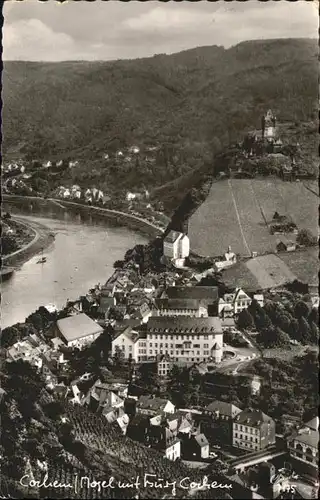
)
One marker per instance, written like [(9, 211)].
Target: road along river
[(81, 256)]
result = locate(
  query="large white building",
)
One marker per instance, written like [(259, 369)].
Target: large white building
[(78, 330), (180, 339), (131, 343), (185, 339), (176, 247)]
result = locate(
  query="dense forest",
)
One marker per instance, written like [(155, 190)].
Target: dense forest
[(179, 109)]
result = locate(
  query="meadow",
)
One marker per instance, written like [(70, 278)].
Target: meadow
[(237, 211)]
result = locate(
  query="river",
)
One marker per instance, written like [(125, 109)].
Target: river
[(81, 256)]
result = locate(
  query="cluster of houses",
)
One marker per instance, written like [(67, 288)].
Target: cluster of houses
[(155, 422), (59, 164), (48, 359), (125, 154), (89, 195), (17, 185), (168, 321), (162, 319), (179, 433), (14, 168), (129, 154)]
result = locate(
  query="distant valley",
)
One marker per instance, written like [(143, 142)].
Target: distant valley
[(180, 109)]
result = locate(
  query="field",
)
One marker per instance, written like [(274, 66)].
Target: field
[(290, 198), (270, 271), (215, 225), (240, 276), (237, 211), (305, 265)]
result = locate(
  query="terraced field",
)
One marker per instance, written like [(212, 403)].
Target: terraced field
[(236, 213), (290, 198), (305, 265), (252, 219), (215, 225), (271, 271)]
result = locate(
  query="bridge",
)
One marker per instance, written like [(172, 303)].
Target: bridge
[(256, 457)]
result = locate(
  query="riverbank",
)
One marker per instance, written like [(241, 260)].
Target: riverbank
[(81, 256), (43, 237), (14, 235), (114, 217)]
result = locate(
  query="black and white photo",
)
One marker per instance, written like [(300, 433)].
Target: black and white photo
[(159, 250)]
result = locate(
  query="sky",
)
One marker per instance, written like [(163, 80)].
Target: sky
[(37, 30)]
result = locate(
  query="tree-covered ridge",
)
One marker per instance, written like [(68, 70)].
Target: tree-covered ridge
[(188, 105)]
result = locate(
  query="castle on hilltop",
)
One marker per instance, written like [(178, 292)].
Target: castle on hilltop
[(268, 125)]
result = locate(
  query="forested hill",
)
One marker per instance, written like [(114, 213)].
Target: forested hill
[(188, 104)]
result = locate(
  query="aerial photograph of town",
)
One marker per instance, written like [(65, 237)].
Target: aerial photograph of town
[(159, 250)]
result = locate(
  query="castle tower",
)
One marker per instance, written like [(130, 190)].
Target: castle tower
[(216, 353), (269, 126)]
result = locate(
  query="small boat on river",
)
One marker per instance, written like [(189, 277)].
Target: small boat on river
[(42, 260)]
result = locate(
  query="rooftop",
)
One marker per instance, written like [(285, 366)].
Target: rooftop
[(150, 403), (201, 440), (192, 292), (130, 334), (240, 295), (223, 408), (173, 236), (177, 303), (313, 424), (78, 326), (140, 420), (184, 324), (252, 418), (307, 436), (285, 241), (121, 326)]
